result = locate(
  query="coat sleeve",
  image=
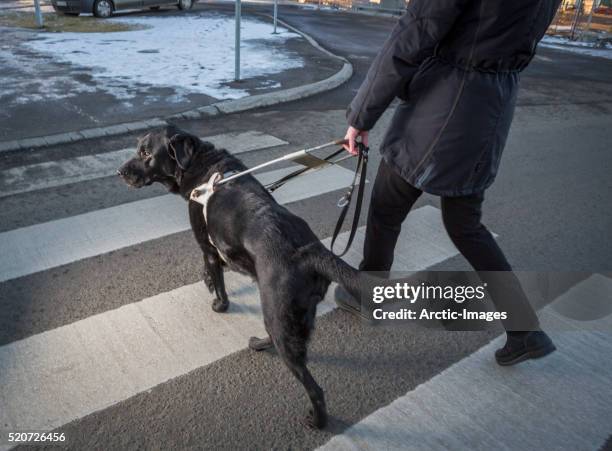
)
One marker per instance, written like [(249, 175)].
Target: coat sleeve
[(412, 40)]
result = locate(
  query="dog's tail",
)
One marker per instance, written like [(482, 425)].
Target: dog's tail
[(318, 258)]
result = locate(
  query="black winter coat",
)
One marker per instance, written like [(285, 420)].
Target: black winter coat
[(455, 65)]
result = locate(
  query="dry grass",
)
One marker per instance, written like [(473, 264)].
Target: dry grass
[(57, 23)]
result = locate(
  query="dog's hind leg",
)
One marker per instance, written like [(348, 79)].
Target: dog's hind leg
[(260, 344), (290, 331), (294, 355)]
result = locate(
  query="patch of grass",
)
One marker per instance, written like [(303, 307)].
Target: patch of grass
[(57, 23)]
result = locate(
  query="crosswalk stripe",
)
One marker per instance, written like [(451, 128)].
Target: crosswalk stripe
[(50, 244), (564, 400), (66, 373), (543, 58), (430, 244), (90, 167)]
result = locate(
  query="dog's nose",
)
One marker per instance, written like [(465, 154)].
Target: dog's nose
[(121, 172)]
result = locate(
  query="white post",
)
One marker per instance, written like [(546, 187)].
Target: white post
[(237, 43), (275, 15), (38, 13), (578, 6), (590, 20)]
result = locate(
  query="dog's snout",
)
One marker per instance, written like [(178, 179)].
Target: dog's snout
[(122, 170)]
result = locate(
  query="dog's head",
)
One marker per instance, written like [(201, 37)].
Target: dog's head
[(161, 156)]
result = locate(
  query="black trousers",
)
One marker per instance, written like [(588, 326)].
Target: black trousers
[(392, 199)]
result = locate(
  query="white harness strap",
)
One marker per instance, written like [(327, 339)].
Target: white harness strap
[(209, 190), (202, 195)]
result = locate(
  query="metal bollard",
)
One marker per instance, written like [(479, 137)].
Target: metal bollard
[(38, 14), (237, 42)]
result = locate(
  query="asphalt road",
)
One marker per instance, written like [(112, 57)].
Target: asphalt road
[(549, 207)]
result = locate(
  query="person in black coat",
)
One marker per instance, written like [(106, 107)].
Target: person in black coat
[(455, 65)]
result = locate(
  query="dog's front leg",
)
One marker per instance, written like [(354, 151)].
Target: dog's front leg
[(208, 280), (213, 274)]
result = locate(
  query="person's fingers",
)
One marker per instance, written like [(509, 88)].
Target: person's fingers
[(350, 140), (347, 139), (351, 136), (364, 138)]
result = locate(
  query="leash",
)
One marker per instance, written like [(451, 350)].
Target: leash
[(202, 193), (345, 201), (301, 156)]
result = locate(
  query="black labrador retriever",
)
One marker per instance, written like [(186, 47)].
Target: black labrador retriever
[(247, 230)]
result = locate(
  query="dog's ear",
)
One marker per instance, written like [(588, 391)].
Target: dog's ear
[(181, 148)]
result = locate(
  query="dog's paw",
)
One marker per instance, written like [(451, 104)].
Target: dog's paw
[(315, 420), (259, 344), (220, 306)]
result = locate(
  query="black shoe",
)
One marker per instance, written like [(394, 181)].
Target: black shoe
[(520, 347), (348, 303)]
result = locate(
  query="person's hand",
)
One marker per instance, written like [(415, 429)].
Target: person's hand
[(351, 136)]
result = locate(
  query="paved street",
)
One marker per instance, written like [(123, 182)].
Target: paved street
[(106, 333)]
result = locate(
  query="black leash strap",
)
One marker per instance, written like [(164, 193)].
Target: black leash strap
[(345, 201)]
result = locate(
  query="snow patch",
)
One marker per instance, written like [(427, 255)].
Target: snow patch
[(192, 54), (26, 77), (269, 84), (313, 7), (579, 47), (566, 41)]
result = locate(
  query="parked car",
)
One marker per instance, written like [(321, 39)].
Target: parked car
[(106, 8), (568, 5), (603, 10)]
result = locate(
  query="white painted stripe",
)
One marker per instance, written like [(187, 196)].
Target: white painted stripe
[(66, 373), (50, 244), (241, 142), (89, 167), (562, 402), (423, 242), (543, 58), (63, 374)]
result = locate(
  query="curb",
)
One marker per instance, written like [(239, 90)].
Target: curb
[(215, 109)]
